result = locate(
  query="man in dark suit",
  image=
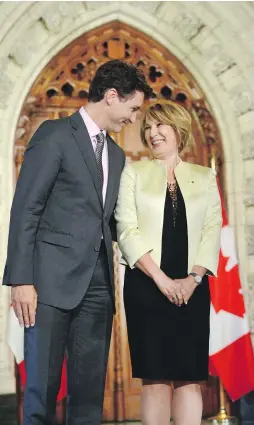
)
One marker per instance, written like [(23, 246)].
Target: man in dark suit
[(60, 258)]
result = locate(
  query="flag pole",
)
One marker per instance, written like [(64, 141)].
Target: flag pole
[(223, 418)]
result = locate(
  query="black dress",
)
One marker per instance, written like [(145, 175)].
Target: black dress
[(168, 342)]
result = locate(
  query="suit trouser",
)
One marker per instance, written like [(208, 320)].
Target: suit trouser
[(85, 332)]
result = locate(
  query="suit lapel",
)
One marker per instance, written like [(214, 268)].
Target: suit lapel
[(83, 141), (113, 171)]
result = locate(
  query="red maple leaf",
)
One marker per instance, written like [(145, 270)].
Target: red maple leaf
[(226, 290)]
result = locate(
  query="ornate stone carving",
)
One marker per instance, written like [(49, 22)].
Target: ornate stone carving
[(249, 193), (70, 79), (67, 77), (210, 49), (92, 5), (29, 43), (188, 25), (247, 37), (248, 145), (251, 285), (147, 6), (19, 157), (1, 200), (219, 61), (6, 85), (23, 127), (250, 306), (252, 338), (52, 21), (56, 16), (210, 136), (242, 98), (207, 121), (222, 64), (250, 298), (118, 384), (22, 132), (249, 230)]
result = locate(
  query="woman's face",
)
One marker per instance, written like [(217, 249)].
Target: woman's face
[(161, 139)]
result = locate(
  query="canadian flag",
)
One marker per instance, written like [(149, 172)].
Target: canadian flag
[(15, 339), (231, 352)]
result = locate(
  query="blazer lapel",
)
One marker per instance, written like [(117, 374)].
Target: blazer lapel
[(185, 179), (83, 141), (113, 171)]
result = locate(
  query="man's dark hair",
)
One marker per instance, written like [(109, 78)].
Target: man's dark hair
[(124, 77)]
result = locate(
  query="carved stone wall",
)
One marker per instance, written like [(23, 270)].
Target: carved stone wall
[(214, 40)]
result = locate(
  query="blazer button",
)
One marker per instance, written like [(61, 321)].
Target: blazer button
[(97, 248)]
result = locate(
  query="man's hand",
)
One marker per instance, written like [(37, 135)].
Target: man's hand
[(24, 301)]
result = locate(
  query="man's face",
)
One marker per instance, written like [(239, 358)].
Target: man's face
[(122, 111)]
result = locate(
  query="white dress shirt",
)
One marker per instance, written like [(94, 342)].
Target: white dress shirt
[(93, 130)]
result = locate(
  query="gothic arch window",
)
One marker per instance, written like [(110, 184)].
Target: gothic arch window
[(62, 87)]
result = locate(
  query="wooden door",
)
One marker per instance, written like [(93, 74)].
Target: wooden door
[(60, 90)]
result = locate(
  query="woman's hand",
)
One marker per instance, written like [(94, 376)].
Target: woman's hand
[(168, 287), (186, 287)]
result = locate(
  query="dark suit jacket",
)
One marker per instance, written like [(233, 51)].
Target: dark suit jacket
[(57, 216)]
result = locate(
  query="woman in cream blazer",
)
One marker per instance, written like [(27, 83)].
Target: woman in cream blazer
[(168, 223)]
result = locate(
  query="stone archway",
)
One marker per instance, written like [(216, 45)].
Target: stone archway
[(197, 34), (62, 88)]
